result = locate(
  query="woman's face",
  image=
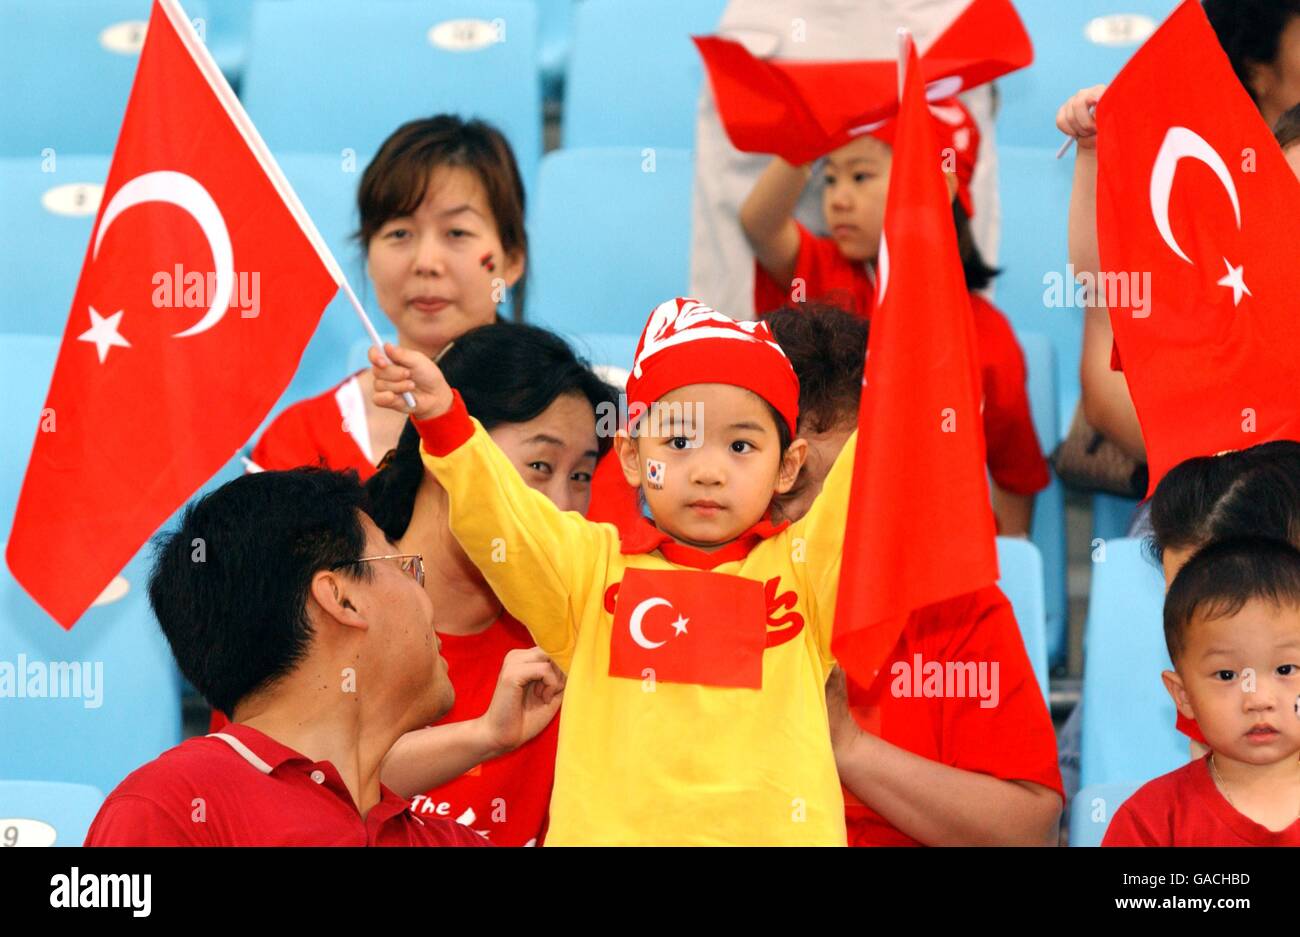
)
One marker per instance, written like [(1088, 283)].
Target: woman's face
[(1277, 84), (441, 270), (556, 451)]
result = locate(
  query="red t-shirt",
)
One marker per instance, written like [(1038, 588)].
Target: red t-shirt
[(315, 431), (1015, 458), (249, 790), (505, 799), (1185, 808), (1012, 740)]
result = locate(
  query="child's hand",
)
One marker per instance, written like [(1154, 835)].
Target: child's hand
[(398, 371), (1075, 118)]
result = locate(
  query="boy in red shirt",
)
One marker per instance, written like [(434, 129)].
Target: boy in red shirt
[(1232, 625), (794, 266)]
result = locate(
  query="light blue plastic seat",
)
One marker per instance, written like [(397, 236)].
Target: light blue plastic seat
[(634, 74), (24, 385), (118, 702), (46, 813), (1021, 569), (66, 68), (1076, 45), (1047, 529), (1092, 810), (49, 211), (610, 240), (336, 75), (1112, 515), (1035, 193), (1128, 717)]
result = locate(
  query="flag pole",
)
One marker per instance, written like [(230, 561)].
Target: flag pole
[(904, 46), (369, 326)]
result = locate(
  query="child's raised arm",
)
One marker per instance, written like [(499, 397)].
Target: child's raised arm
[(547, 566), (767, 217)]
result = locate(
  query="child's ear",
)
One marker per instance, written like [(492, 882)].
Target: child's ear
[(791, 463), (629, 459), (1178, 692)]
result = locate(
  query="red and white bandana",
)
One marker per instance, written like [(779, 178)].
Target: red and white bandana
[(686, 342)]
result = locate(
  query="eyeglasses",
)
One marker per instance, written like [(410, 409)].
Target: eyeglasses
[(412, 563)]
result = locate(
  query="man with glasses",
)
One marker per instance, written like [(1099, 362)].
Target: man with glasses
[(287, 607)]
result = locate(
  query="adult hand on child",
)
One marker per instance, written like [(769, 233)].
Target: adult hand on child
[(399, 371), (527, 697), (1075, 117)]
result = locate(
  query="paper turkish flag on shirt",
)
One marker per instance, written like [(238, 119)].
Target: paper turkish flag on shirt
[(1198, 224), (202, 284), (920, 525), (689, 627), (803, 110)]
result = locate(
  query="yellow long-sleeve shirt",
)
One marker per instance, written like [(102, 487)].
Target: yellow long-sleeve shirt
[(646, 762)]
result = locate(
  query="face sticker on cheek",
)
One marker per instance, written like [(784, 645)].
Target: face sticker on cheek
[(654, 473)]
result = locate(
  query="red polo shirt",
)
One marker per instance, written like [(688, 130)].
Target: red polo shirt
[(1007, 734), (243, 788)]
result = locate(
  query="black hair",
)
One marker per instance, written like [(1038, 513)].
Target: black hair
[(1250, 31), (827, 348), (1253, 492), (506, 373), (978, 273), (1221, 578), (229, 585)]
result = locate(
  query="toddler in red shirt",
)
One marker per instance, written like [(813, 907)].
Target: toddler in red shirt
[(1232, 624)]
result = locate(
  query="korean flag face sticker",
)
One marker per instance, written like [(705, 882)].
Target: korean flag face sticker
[(654, 473)]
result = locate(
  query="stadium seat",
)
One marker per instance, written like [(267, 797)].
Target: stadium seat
[(46, 813), (118, 690), (634, 74), (24, 385), (1048, 528), (334, 75), (1112, 515), (1076, 45), (1093, 808), (66, 68), (1022, 583), (1128, 718), (610, 238), (1035, 190), (49, 211), (601, 348)]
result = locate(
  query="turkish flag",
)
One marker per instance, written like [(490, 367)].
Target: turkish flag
[(202, 284), (920, 526), (803, 110), (1198, 222), (684, 626)]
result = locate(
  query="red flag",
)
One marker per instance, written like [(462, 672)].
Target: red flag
[(689, 627), (1195, 198), (202, 284), (803, 110), (921, 526)]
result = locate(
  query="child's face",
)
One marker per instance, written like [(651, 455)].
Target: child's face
[(1239, 678), (855, 187), (428, 269), (708, 459)]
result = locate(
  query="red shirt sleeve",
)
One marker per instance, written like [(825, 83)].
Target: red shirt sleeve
[(1013, 738), (1015, 456), (132, 820), (821, 274), (1130, 826)]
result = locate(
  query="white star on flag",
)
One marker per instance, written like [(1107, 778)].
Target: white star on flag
[(103, 332), (1235, 279), (680, 624)]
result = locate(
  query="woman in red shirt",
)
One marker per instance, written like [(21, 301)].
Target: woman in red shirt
[(442, 227)]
